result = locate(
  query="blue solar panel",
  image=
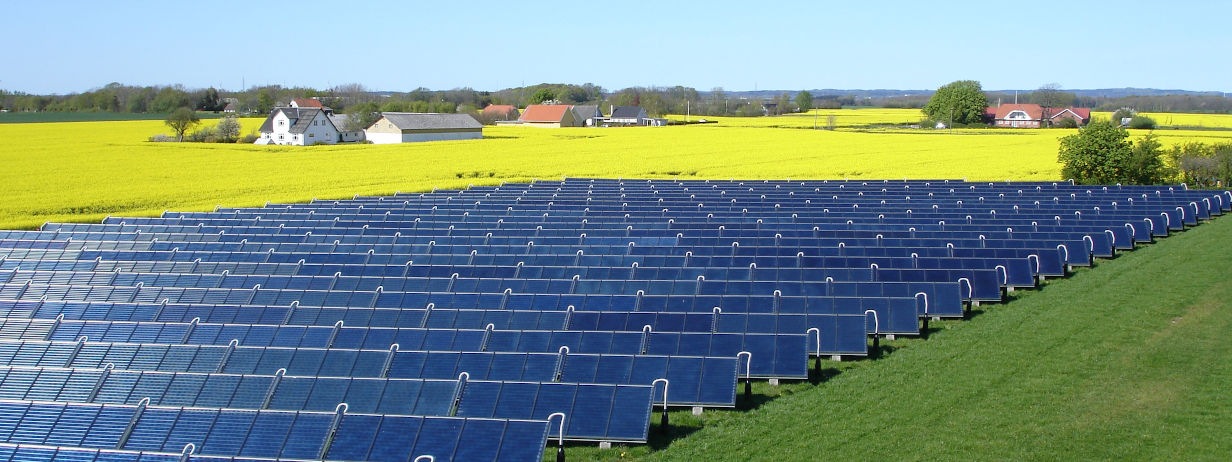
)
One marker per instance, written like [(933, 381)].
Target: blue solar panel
[(205, 310)]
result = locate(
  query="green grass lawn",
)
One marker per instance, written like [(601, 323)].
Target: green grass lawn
[(1130, 360)]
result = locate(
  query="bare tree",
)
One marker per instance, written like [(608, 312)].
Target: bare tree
[(1050, 97)]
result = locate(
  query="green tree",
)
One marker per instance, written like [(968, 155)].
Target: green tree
[(168, 99), (1146, 162), (209, 101), (962, 101), (1122, 113), (1102, 154), (804, 99), (361, 116), (265, 101), (541, 95), (228, 129), (181, 120)]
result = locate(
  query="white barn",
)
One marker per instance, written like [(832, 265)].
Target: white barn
[(298, 127), (410, 127)]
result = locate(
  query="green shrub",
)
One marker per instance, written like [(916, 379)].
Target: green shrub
[(1142, 122), (1065, 123)]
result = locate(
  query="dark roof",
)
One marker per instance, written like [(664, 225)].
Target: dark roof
[(301, 119), (430, 121), (587, 111), (626, 112)]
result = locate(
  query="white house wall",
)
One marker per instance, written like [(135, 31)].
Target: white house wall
[(394, 138), (383, 138), (321, 131)]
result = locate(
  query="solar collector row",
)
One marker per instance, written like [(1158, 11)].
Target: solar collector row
[(896, 315), (944, 299), (597, 412), (838, 334), (773, 355), (274, 434), (694, 381)]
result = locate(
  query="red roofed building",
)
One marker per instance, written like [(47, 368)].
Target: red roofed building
[(549, 115), (307, 103), (501, 112), (1081, 115), (1033, 116)]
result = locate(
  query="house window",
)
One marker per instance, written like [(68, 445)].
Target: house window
[(281, 123), (312, 135), (279, 137)]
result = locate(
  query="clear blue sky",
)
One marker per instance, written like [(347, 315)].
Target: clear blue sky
[(72, 46)]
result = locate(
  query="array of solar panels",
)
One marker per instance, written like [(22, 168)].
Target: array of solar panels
[(472, 324)]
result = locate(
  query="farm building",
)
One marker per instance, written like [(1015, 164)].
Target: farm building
[(410, 127), (550, 115), (341, 121), (298, 127), (588, 115), (1033, 115), (501, 112), (630, 115)]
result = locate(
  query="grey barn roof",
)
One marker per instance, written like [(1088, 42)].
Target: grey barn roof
[(587, 111), (301, 119), (626, 112), (431, 121)]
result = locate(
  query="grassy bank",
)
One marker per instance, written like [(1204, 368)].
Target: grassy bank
[(1130, 360)]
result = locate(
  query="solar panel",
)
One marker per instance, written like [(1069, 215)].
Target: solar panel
[(458, 323)]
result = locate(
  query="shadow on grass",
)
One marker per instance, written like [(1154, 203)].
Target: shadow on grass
[(817, 377), (660, 439)]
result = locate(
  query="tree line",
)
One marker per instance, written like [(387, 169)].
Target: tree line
[(658, 101)]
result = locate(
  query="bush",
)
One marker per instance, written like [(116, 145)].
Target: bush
[(1065, 123), (1203, 165), (1142, 122), (161, 138), (248, 139), (228, 129), (1102, 154), (199, 136)]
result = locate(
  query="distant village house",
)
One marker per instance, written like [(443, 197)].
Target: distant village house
[(549, 115), (1033, 115), (407, 127), (495, 112)]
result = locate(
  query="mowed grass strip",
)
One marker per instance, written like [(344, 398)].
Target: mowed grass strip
[(1130, 360)]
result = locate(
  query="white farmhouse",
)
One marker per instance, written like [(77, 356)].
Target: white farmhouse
[(299, 127), (409, 127)]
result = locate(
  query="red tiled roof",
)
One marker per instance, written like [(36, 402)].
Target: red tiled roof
[(499, 109), (545, 112), (1082, 112), (1034, 111), (307, 102)]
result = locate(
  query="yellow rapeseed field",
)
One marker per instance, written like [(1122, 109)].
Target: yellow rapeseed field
[(1165, 119), (87, 170)]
